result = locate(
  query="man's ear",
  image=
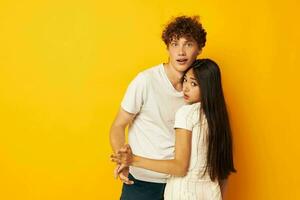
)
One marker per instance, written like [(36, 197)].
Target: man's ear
[(199, 52)]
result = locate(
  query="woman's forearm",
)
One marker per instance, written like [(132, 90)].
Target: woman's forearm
[(223, 187), (173, 167)]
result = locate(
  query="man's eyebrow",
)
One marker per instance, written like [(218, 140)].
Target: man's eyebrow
[(189, 40)]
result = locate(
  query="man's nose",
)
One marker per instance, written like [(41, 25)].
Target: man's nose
[(181, 50)]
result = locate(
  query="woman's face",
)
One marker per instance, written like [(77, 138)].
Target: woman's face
[(191, 89)]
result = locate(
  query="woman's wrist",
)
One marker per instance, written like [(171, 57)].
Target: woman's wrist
[(135, 160)]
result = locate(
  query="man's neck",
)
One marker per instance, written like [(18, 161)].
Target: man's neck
[(175, 77)]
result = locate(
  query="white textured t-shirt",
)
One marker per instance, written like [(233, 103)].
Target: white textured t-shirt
[(154, 100)]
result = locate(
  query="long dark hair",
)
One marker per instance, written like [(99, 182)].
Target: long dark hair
[(219, 153)]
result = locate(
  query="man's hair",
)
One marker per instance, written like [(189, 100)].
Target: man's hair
[(184, 26)]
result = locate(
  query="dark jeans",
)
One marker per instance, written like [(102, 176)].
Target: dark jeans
[(142, 190)]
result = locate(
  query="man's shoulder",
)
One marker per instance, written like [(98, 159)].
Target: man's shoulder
[(152, 70), (147, 76)]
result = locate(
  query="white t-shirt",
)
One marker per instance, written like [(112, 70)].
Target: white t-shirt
[(154, 100)]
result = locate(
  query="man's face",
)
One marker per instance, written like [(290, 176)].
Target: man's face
[(182, 53)]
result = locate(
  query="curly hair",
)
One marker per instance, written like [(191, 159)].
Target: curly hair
[(184, 26)]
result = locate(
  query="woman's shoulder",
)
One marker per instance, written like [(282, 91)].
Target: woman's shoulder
[(190, 107), (187, 116), (189, 110)]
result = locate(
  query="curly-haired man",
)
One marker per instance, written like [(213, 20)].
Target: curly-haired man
[(149, 106)]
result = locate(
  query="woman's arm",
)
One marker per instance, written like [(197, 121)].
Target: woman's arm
[(223, 186), (177, 166)]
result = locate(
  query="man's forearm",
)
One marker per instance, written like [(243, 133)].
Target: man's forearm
[(117, 137), (117, 130)]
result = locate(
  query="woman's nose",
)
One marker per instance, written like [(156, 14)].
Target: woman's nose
[(185, 88)]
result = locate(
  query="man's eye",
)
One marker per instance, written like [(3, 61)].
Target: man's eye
[(184, 80), (190, 44)]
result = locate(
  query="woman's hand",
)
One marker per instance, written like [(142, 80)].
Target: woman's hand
[(123, 156)]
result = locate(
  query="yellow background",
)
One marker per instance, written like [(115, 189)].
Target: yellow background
[(65, 65)]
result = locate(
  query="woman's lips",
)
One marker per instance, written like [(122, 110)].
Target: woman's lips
[(185, 96)]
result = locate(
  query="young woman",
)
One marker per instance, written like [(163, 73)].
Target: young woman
[(203, 147)]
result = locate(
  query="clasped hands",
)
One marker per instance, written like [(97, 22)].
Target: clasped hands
[(123, 157)]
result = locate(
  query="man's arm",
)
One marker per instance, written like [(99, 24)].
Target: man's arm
[(117, 140), (117, 130)]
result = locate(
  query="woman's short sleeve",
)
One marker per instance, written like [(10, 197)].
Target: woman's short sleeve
[(184, 118)]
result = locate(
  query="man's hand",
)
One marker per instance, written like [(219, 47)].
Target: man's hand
[(123, 156), (122, 172)]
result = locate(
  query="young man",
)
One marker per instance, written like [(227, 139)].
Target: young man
[(149, 107)]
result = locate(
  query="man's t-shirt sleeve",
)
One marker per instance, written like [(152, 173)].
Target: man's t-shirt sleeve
[(135, 94)]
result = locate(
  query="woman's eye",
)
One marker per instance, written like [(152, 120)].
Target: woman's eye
[(194, 84)]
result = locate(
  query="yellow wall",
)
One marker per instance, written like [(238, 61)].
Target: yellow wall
[(64, 66)]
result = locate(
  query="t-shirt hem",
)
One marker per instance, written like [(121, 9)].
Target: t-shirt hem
[(152, 180)]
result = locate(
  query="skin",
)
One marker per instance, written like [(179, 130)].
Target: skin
[(182, 53), (191, 89)]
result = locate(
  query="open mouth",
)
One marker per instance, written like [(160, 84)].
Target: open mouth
[(182, 61)]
